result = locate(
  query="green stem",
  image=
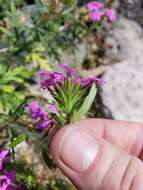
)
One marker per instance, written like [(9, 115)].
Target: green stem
[(13, 155), (13, 150)]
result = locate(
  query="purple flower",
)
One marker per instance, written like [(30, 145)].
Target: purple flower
[(95, 10), (90, 80), (43, 118), (95, 16), (110, 14), (94, 6), (53, 79), (46, 124), (4, 182), (55, 75), (10, 174), (53, 109), (45, 84), (12, 187), (68, 70), (4, 157), (36, 111), (42, 124), (76, 81)]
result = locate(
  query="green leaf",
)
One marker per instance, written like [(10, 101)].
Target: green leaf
[(8, 88), (12, 7), (17, 140), (86, 105)]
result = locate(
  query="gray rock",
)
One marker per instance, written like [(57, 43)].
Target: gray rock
[(125, 40), (123, 95), (132, 9)]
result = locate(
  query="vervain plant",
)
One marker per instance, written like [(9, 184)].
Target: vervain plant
[(71, 98)]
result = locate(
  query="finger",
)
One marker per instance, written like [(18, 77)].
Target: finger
[(126, 135), (92, 163)]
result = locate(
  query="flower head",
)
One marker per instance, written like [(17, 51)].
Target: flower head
[(36, 111), (110, 14), (46, 124), (94, 6), (95, 16), (53, 109), (4, 157), (42, 117), (90, 80), (10, 174), (53, 78), (7, 177), (4, 182), (68, 70), (97, 10)]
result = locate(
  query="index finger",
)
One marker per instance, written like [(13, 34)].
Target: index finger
[(125, 135)]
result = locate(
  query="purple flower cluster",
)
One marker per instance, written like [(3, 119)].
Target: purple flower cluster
[(54, 79), (7, 178), (52, 82), (98, 10), (43, 119)]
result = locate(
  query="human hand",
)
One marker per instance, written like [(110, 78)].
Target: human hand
[(99, 154)]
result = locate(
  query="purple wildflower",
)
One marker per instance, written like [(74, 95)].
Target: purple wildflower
[(10, 174), (90, 80), (95, 16), (55, 76), (4, 182), (95, 11), (36, 111), (46, 124), (53, 79), (76, 81), (110, 14), (68, 70), (42, 124), (94, 6), (38, 114), (12, 187), (4, 157), (45, 84), (53, 109)]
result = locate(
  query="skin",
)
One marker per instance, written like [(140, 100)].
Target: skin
[(117, 163)]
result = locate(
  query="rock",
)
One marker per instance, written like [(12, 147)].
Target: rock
[(132, 9), (123, 95), (125, 40), (75, 58)]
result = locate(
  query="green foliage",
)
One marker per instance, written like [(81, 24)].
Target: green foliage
[(17, 140), (12, 87), (35, 34), (84, 109)]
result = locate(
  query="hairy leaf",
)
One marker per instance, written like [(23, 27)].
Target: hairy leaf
[(86, 104), (17, 140)]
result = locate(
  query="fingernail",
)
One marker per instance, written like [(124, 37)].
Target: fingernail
[(78, 149)]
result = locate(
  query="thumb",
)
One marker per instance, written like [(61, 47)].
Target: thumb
[(92, 163)]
